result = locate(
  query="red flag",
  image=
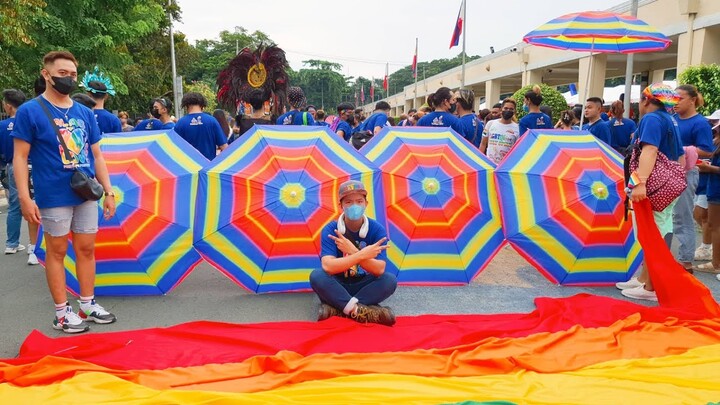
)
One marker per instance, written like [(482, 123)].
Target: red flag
[(362, 93), (385, 83), (455, 40), (414, 66)]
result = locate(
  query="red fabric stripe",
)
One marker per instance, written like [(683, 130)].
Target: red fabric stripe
[(203, 342)]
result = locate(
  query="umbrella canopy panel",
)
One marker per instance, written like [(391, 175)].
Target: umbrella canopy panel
[(443, 217), (264, 202), (598, 32), (562, 199), (146, 248)]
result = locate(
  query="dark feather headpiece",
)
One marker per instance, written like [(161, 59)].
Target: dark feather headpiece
[(264, 68)]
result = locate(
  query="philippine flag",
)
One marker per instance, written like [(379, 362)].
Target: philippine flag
[(455, 40)]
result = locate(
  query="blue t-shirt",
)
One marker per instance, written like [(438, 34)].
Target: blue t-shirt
[(346, 128), (659, 129), (168, 125), (713, 182), (6, 141), (322, 124), (202, 131), (471, 128), (107, 122), (537, 120), (378, 119), (604, 116), (621, 131), (296, 117), (329, 248), (53, 164), (150, 124), (440, 119), (601, 131), (695, 131)]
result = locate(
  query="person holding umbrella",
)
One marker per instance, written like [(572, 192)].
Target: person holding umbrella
[(353, 282), (657, 133)]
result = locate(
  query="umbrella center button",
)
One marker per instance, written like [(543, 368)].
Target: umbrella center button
[(292, 195), (431, 186)]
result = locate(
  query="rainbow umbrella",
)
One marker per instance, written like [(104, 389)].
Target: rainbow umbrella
[(146, 248), (442, 210), (562, 200), (264, 201), (598, 31)]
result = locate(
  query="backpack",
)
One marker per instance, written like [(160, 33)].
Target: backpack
[(360, 138), (292, 119)]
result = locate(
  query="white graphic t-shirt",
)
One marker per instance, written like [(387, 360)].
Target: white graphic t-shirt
[(501, 137)]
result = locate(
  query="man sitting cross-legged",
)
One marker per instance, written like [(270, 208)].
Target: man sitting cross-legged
[(353, 282)]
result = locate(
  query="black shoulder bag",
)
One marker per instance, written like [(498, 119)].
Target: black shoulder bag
[(83, 185)]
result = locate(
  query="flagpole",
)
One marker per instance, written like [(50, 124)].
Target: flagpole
[(415, 73), (464, 30)]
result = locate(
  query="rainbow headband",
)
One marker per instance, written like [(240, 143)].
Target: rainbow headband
[(663, 93)]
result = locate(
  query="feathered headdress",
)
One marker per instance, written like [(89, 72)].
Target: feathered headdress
[(264, 68), (99, 77)]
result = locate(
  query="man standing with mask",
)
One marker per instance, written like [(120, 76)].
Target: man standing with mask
[(61, 137), (500, 135), (161, 119), (343, 124), (353, 282)]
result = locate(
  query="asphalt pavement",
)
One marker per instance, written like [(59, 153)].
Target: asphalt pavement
[(508, 285)]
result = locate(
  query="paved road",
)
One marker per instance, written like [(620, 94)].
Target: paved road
[(508, 285)]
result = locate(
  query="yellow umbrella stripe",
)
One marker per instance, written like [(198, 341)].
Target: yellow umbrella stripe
[(173, 150), (387, 139), (236, 256)]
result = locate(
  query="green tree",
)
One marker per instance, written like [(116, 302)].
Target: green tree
[(551, 97), (403, 77), (323, 84), (204, 89), (707, 80), (213, 55)]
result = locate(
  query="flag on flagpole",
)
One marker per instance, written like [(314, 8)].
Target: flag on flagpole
[(455, 40), (385, 80), (372, 90), (414, 63), (362, 93)]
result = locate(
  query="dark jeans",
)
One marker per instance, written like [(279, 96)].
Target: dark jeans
[(335, 291)]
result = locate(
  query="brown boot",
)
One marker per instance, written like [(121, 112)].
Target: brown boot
[(325, 311), (374, 314)]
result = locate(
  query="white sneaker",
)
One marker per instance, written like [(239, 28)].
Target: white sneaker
[(32, 259), (718, 277), (632, 283), (11, 250), (703, 253), (640, 293)]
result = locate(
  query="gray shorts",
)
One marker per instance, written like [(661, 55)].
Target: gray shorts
[(59, 221)]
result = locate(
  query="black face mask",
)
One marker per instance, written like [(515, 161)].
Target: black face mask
[(452, 109), (155, 113), (507, 115), (350, 120), (64, 85)]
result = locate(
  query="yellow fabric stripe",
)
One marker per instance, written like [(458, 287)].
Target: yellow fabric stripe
[(689, 378)]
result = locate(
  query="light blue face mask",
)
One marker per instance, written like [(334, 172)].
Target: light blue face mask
[(526, 108), (354, 212)]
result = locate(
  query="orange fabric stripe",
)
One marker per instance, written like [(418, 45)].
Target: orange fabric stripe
[(563, 351)]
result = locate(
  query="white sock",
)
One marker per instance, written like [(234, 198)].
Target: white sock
[(85, 302), (31, 249), (707, 246), (350, 306), (60, 309)]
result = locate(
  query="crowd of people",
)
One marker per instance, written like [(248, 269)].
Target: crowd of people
[(57, 135)]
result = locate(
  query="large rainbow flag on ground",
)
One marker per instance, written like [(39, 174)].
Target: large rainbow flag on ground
[(579, 350)]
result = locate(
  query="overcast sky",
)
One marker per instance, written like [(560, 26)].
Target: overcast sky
[(363, 35)]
